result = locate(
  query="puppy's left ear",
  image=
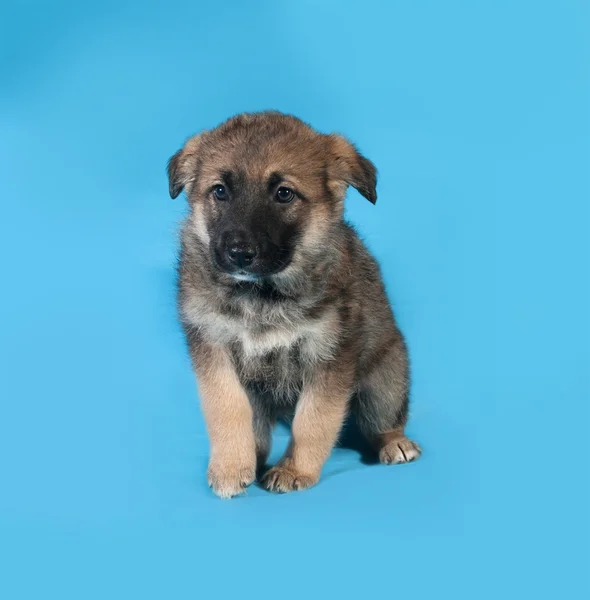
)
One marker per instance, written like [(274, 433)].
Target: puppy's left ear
[(181, 168), (349, 167)]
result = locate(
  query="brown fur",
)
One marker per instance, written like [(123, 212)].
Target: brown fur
[(228, 415), (310, 333)]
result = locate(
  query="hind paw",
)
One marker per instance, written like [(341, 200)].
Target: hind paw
[(399, 451)]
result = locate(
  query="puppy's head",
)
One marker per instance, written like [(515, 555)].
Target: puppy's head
[(264, 188)]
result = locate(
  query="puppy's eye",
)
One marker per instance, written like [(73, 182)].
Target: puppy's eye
[(220, 192), (284, 195)]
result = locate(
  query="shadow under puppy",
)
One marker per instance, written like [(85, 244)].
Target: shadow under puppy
[(283, 307)]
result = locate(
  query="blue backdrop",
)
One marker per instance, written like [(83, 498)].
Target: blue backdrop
[(477, 116)]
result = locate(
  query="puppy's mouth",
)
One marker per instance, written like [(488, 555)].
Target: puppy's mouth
[(245, 276), (258, 271), (258, 276)]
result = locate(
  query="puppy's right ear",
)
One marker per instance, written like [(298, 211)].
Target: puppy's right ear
[(181, 167), (175, 179)]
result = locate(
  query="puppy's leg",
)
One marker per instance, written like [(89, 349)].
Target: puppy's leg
[(228, 415), (318, 419), (382, 405)]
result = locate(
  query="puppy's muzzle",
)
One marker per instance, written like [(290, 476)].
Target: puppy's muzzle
[(239, 253)]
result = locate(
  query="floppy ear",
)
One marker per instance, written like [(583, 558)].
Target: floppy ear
[(349, 166), (181, 167), (175, 180)]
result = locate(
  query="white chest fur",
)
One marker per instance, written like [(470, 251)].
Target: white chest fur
[(262, 334)]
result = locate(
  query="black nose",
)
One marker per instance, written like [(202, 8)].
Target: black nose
[(241, 254)]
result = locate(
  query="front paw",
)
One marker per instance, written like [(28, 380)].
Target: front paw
[(228, 479), (286, 478)]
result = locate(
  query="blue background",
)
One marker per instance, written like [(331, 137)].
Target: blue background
[(477, 116)]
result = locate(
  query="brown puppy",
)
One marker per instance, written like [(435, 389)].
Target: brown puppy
[(283, 307)]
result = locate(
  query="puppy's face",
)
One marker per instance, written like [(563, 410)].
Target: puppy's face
[(264, 188)]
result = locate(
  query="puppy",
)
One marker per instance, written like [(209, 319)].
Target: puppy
[(283, 307)]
